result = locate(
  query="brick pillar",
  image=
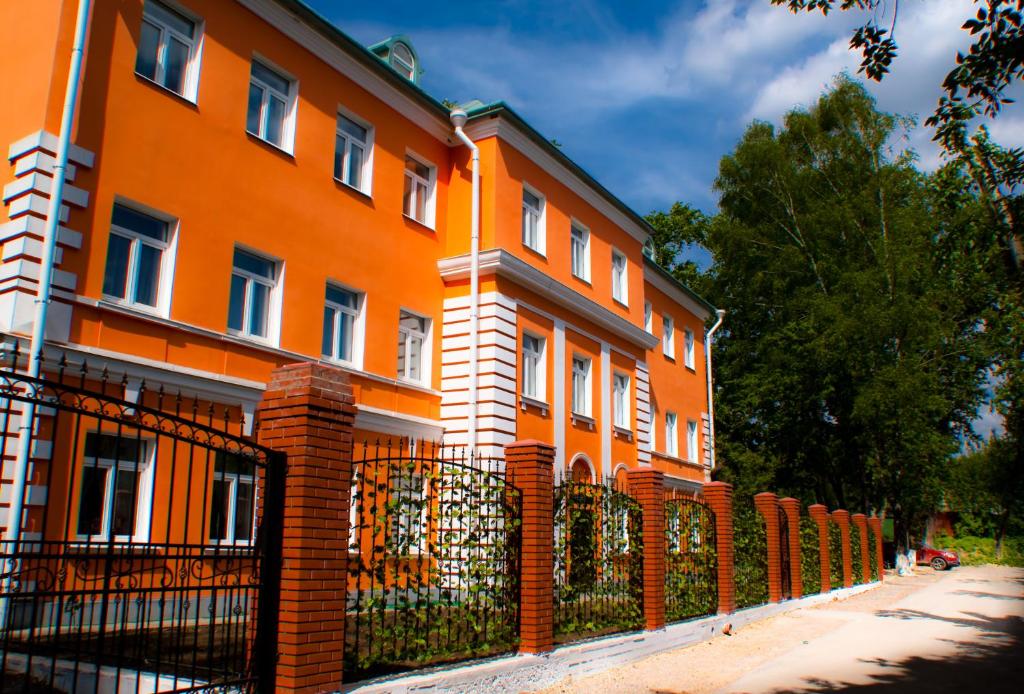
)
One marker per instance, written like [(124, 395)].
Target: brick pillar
[(842, 519), (307, 413), (875, 523), (530, 467), (718, 496), (861, 521), (768, 505), (791, 507), (819, 514), (648, 487)]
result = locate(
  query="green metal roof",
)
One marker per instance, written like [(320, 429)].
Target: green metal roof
[(649, 262)]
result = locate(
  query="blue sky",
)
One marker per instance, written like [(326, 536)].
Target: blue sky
[(648, 96)]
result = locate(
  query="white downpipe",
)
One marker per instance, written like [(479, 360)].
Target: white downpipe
[(28, 413), (458, 117), (711, 392)]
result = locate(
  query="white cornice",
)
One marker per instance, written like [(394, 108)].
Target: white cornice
[(663, 285), (316, 43), (397, 423), (506, 131), (501, 262)]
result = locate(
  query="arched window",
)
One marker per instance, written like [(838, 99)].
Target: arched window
[(403, 61), (621, 478), (581, 470)]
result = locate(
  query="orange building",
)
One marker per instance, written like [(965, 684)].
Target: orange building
[(250, 187)]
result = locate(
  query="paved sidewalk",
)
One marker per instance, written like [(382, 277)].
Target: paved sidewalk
[(959, 631)]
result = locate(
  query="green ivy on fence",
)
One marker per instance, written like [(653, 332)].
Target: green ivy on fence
[(751, 555), (835, 555), (691, 560), (810, 556), (856, 558), (873, 555)]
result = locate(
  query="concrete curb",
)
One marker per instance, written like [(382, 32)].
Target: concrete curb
[(533, 672)]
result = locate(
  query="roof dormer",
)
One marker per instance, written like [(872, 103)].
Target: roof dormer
[(397, 51)]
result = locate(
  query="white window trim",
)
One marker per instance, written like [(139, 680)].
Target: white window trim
[(649, 317), (692, 440), (358, 325), (541, 372), (273, 337), (671, 434), (233, 479), (143, 498), (366, 174), (168, 257), (668, 337), (429, 210), (575, 224), (623, 289), (688, 349), (291, 105), (426, 352), (541, 247), (195, 51), (621, 411), (588, 395)]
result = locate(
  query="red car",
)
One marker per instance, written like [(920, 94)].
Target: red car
[(938, 559)]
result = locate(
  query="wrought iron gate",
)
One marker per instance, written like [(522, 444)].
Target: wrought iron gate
[(785, 569), (691, 560), (149, 555)]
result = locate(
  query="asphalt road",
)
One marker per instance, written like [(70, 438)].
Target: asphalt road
[(957, 631)]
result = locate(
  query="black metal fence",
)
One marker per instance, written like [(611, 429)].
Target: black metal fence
[(151, 532), (835, 555), (810, 556), (598, 557), (691, 560), (856, 559), (785, 565), (433, 558), (751, 555)]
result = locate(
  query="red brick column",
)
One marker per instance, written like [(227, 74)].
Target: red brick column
[(718, 496), (307, 413), (530, 466), (842, 519), (861, 521), (819, 514), (768, 505), (875, 523), (791, 507), (648, 487)]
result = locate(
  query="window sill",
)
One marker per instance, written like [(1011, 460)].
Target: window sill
[(412, 382), (676, 459), (276, 148), (691, 368), (669, 357), (254, 339), (418, 222), (582, 420), (113, 302), (584, 280), (536, 251), (98, 546), (187, 100), (350, 365), (526, 401), (623, 433), (214, 549), (620, 302), (348, 186)]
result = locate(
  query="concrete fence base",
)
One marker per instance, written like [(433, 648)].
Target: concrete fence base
[(533, 672)]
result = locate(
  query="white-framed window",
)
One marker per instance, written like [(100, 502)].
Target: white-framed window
[(668, 336), (271, 110), (691, 440), (253, 306), (407, 497), (403, 61), (233, 500), (671, 435), (533, 219), (418, 196), (620, 284), (579, 240), (168, 52), (688, 359), (343, 325), (581, 397), (413, 347), (620, 392), (140, 260), (353, 153), (116, 488), (649, 317), (533, 367)]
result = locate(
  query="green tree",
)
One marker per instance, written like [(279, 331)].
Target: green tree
[(675, 232), (852, 364), (987, 490)]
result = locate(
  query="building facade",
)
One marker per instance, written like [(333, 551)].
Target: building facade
[(250, 187)]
